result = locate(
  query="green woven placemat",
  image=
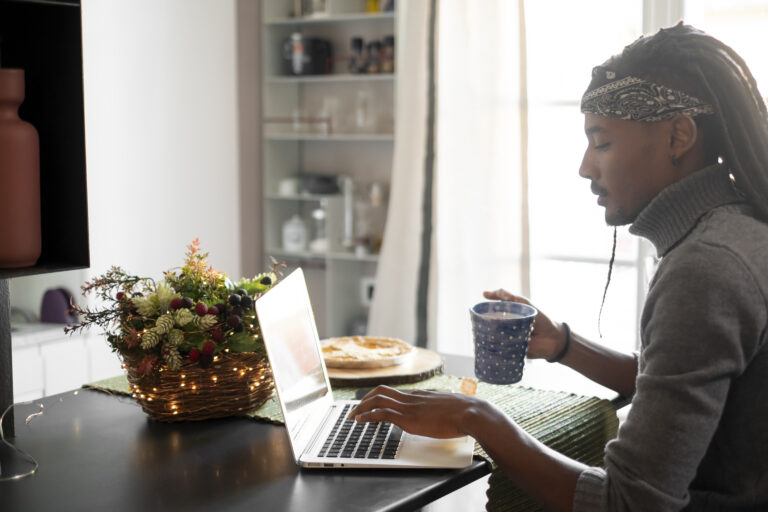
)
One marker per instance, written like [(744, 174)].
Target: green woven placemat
[(575, 425), (270, 411)]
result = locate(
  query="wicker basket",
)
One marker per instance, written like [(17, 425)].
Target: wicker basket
[(234, 384)]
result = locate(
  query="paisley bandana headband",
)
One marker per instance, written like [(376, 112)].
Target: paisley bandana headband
[(635, 99)]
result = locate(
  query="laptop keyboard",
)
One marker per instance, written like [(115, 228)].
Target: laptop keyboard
[(352, 440)]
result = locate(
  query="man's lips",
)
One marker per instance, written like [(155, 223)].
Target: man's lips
[(600, 192)]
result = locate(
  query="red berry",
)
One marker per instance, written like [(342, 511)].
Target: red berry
[(201, 309), (176, 303), (194, 355), (208, 348), (216, 333), (120, 295), (213, 310)]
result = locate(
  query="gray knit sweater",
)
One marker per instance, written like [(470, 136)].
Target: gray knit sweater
[(696, 436)]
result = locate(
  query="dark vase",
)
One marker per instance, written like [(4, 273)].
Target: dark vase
[(20, 239)]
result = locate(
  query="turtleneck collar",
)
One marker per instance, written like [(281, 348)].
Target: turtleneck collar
[(676, 209)]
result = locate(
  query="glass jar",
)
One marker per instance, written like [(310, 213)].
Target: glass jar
[(388, 55), (320, 242), (364, 118), (373, 62), (356, 63)]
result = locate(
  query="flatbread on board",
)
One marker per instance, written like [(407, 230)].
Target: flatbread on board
[(365, 352)]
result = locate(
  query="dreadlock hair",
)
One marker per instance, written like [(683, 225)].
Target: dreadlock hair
[(685, 58), (607, 282)]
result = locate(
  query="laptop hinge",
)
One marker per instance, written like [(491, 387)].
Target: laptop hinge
[(310, 448)]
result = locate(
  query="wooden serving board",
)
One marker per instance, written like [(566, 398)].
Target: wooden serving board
[(423, 365)]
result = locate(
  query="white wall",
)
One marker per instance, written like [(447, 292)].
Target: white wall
[(161, 132)]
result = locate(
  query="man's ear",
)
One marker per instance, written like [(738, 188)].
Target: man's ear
[(683, 135)]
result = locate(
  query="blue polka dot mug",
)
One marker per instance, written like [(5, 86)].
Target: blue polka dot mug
[(502, 331)]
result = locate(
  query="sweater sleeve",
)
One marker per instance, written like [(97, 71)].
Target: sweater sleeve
[(700, 327)]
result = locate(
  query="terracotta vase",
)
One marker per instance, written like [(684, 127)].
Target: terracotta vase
[(20, 239)]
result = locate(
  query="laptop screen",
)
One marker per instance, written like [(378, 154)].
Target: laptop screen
[(290, 336)]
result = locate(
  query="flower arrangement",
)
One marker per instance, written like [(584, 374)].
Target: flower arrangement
[(195, 313), (184, 338)]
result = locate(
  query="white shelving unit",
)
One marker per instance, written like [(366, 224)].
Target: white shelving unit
[(291, 146)]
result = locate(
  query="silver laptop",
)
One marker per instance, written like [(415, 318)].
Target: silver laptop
[(320, 434)]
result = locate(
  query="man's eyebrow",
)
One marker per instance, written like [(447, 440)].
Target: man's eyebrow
[(594, 129)]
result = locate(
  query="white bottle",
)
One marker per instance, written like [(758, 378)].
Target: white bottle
[(294, 234)]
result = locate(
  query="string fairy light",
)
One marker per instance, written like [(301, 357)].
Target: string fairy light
[(237, 382), (15, 449)]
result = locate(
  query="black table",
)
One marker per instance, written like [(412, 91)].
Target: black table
[(100, 452)]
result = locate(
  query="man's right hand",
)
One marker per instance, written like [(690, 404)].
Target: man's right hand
[(547, 338)]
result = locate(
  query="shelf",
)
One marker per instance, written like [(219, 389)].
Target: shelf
[(45, 39), (298, 197), (332, 78), (336, 137), (327, 140), (332, 18), (40, 268), (308, 255)]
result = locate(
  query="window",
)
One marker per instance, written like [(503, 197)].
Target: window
[(570, 244), (741, 24)]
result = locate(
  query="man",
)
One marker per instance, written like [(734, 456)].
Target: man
[(678, 148)]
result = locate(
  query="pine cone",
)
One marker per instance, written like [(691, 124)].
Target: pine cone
[(204, 322), (150, 339), (164, 324), (183, 317), (175, 338), (173, 358)]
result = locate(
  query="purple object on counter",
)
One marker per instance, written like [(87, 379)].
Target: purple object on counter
[(56, 308)]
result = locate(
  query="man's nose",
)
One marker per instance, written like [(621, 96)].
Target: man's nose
[(587, 168)]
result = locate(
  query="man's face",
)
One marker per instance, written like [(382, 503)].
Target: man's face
[(628, 164)]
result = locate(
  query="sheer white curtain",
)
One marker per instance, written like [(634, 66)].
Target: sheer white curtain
[(478, 229), (393, 308), (480, 238)]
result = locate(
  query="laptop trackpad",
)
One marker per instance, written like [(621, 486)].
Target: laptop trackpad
[(438, 453)]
